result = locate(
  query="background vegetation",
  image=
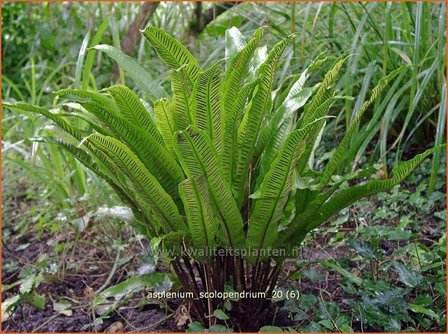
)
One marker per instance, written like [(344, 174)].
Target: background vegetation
[(380, 266)]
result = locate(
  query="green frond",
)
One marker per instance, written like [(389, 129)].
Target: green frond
[(208, 115), (307, 202), (160, 205), (143, 79), (237, 70), (110, 174), (324, 205), (182, 99), (84, 96), (82, 156), (163, 110), (230, 136), (200, 218), (317, 120), (273, 147), (126, 192), (323, 92), (297, 82), (154, 155), (20, 106), (198, 157), (352, 194), (250, 126), (133, 110), (295, 97), (284, 114), (89, 119), (172, 52), (338, 155), (273, 194)]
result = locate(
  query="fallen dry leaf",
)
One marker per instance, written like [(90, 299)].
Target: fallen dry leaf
[(115, 327), (182, 316)]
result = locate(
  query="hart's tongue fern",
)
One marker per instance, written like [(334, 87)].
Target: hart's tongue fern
[(219, 167)]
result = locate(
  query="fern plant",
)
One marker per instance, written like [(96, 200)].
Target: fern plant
[(222, 173)]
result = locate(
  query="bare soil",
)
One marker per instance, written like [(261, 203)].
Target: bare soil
[(78, 285)]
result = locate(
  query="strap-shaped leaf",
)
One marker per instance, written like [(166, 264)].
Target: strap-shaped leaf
[(207, 104), (82, 156), (273, 194), (308, 196), (297, 98), (172, 52), (323, 207), (150, 226), (277, 184), (250, 126), (182, 92), (110, 175), (146, 186), (83, 95), (131, 285), (272, 149), (89, 119), (133, 110), (317, 121), (294, 84), (201, 221), (237, 70), (308, 203), (351, 195), (142, 78), (338, 155), (272, 135), (154, 156), (323, 92), (230, 137), (259, 57), (20, 106), (198, 157), (234, 42), (163, 110)]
